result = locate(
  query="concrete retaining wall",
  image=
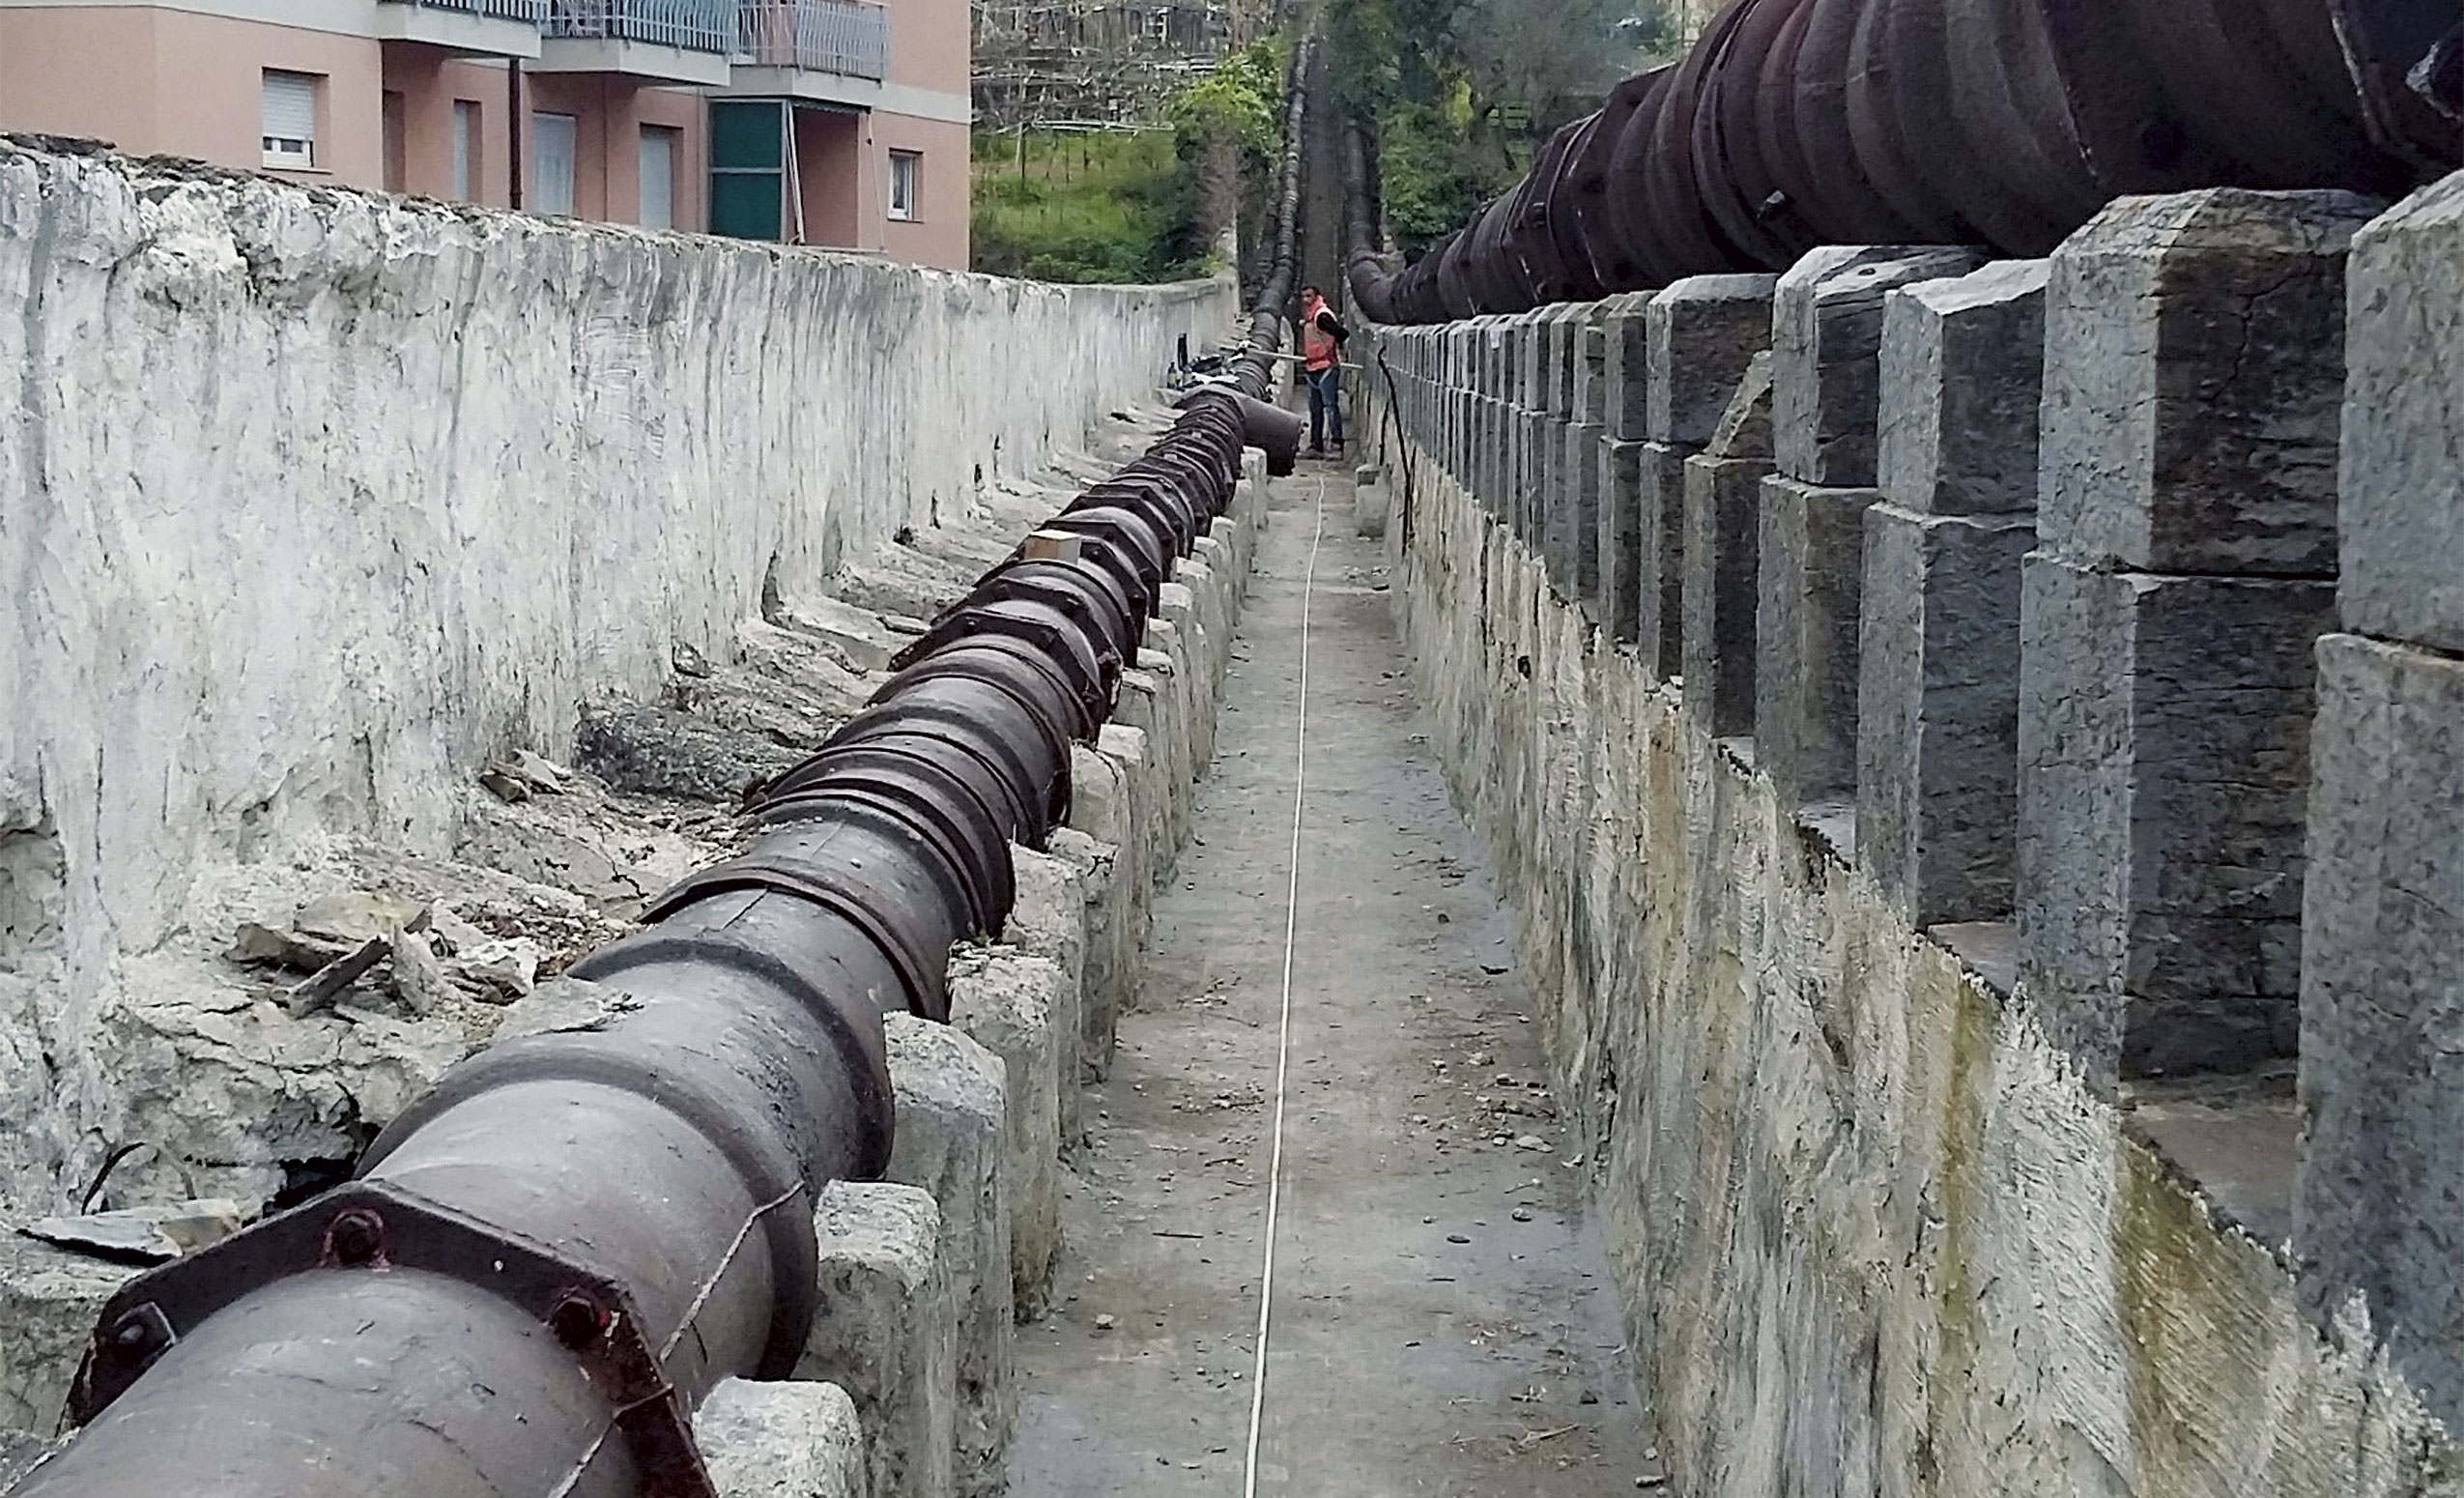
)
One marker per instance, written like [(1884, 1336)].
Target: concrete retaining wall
[(311, 502), (1880, 1224)]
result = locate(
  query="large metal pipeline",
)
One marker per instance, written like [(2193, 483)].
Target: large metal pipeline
[(545, 1262), (2001, 123), (1269, 313)]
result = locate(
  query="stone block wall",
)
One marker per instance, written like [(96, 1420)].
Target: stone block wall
[(2029, 753)]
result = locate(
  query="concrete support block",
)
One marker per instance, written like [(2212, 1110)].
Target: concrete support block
[(2379, 1206), (2401, 508), (953, 1134), (1626, 335), (887, 1332), (1520, 487), (1115, 920), (1808, 584), (1004, 1000), (1723, 552), (1826, 339), (1659, 571), (1938, 712), (49, 1301), (785, 1440), (1620, 538), (2163, 741), (1701, 333), (1963, 375), (2194, 379), (1591, 370), (1578, 505), (1049, 919)]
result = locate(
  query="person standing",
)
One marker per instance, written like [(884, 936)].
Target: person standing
[(1321, 338)]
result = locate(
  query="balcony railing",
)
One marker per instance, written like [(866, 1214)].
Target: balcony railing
[(850, 37), (693, 25), (530, 12)]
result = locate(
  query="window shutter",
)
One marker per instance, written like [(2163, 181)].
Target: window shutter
[(291, 107)]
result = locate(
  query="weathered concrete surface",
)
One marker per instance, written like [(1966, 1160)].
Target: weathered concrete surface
[(1700, 333), (1808, 587), (952, 1141), (1004, 1000), (2163, 739), (1872, 1232), (1621, 540), (1938, 712), (1826, 341), (887, 1333), (2195, 377), (2380, 1005), (2400, 516), (781, 1440), (1962, 365), (267, 600)]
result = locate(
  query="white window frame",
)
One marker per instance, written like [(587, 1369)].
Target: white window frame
[(466, 149), (285, 148), (674, 141), (906, 207), (539, 199)]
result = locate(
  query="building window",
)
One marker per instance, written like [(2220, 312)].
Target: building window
[(553, 137), (291, 119), (466, 148), (906, 171), (658, 177)]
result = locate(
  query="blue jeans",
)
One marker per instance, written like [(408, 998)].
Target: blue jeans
[(1325, 406)]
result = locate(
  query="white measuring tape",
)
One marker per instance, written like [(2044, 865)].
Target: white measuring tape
[(1283, 1029)]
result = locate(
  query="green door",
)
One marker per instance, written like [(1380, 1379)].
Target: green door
[(748, 168)]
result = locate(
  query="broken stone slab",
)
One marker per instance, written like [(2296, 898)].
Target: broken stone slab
[(1744, 429), (152, 1234), (2400, 511), (1049, 918), (1962, 377), (1827, 341), (50, 1299), (1723, 550), (2381, 1184), (1808, 586), (788, 1439), (1938, 712), (857, 635), (1004, 999), (952, 1140), (2195, 382), (1700, 333), (2164, 742), (887, 1331)]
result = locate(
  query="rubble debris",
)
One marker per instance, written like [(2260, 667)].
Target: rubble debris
[(357, 916), (329, 981), (658, 750), (500, 971), (419, 978)]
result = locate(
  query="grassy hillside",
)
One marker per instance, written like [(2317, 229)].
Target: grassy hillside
[(1085, 207)]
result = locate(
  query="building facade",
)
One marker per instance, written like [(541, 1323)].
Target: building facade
[(839, 123)]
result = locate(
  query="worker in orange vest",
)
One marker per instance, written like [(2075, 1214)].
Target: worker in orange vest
[(1322, 338)]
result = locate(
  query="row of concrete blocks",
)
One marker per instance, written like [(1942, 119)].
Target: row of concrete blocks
[(905, 1389), (2116, 596)]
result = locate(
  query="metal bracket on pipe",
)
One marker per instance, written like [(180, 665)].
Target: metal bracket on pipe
[(377, 1225)]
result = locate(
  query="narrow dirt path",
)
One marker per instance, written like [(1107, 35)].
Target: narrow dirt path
[(1442, 1320)]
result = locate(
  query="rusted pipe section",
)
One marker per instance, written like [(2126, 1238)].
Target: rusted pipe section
[(2001, 123), (549, 1258)]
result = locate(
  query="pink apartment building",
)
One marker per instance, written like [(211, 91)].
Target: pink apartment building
[(823, 122)]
